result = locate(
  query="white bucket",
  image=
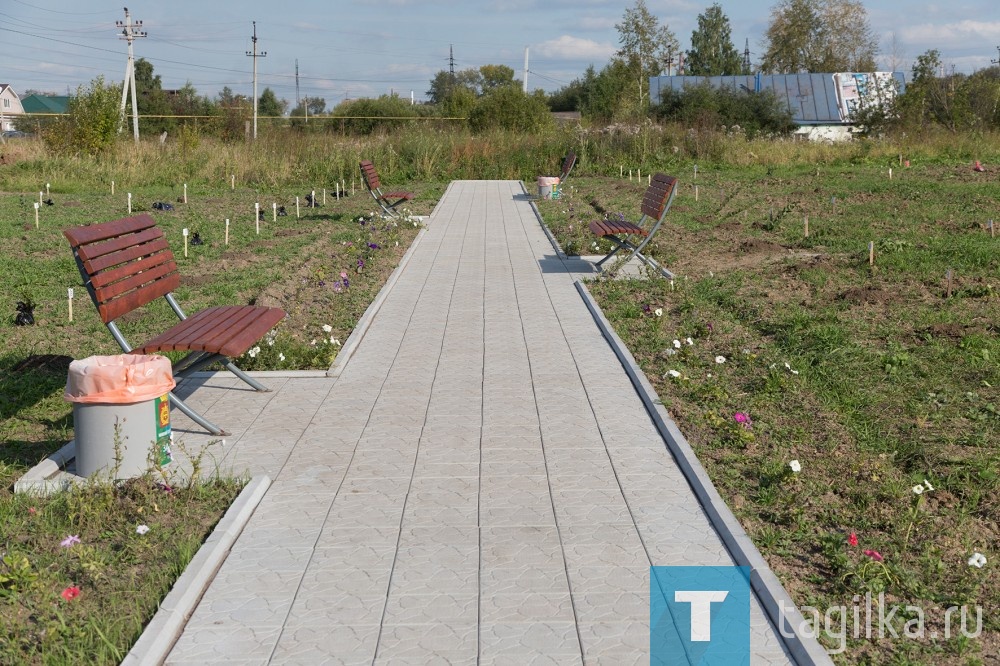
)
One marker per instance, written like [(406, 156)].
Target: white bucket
[(545, 186)]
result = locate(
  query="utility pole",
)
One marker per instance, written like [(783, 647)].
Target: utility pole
[(669, 61), (746, 58), (524, 86), (451, 61), (255, 55), (130, 33)]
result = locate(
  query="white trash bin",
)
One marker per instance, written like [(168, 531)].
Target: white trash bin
[(546, 185), (121, 413)]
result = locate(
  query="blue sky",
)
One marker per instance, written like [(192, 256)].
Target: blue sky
[(371, 47)]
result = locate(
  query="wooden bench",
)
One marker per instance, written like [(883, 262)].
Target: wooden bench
[(386, 200), (126, 264), (655, 204)]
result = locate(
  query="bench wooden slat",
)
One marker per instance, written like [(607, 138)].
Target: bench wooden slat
[(82, 236), (95, 252), (227, 330), (374, 186)]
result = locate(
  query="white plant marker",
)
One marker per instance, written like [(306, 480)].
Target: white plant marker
[(871, 253), (227, 232), (807, 226), (338, 191), (274, 212), (112, 188), (36, 214), (948, 277), (40, 197), (324, 196), (69, 293), (695, 192), (232, 182), (46, 189), (129, 203), (185, 233), (312, 199), (296, 208), (696, 172), (991, 230), (185, 192), (256, 216)]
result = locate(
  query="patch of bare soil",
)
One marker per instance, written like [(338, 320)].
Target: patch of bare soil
[(869, 295)]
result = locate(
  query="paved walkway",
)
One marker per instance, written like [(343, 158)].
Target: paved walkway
[(480, 485)]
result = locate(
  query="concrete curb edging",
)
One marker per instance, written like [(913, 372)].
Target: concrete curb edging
[(778, 605), (354, 339), (159, 636)]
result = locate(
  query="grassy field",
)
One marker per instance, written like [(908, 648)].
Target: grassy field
[(876, 378), (882, 380)]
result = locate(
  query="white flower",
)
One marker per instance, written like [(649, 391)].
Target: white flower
[(689, 341), (918, 489), (720, 359), (658, 312), (977, 560), (789, 368), (795, 465), (141, 529), (710, 375), (252, 353), (313, 343), (270, 342), (673, 373), (334, 341), (281, 357), (669, 352), (677, 344), (327, 328), (927, 485)]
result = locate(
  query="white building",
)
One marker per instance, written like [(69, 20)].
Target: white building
[(10, 107)]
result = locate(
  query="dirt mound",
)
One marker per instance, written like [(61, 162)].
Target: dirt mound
[(756, 245), (868, 295)]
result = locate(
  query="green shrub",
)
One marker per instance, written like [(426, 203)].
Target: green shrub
[(708, 107), (93, 122), (508, 108)]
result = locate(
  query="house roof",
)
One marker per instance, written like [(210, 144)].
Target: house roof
[(814, 99), (45, 104)]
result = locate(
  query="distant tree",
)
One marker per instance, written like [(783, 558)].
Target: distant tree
[(309, 106), (366, 116), (567, 98), (712, 52), (508, 107), (605, 95), (270, 105), (93, 122), (152, 100), (819, 36), (494, 76), (645, 46), (444, 82)]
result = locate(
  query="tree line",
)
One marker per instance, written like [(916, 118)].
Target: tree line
[(802, 36)]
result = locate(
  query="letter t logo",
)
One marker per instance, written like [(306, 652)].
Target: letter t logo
[(701, 611)]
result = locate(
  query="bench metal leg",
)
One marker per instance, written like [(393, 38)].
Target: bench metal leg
[(196, 417), (257, 386)]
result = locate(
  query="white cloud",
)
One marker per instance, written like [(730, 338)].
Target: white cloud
[(574, 48), (957, 34)]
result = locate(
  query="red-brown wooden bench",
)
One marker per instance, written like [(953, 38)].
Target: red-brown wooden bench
[(567, 166), (655, 204), (126, 264), (386, 200)]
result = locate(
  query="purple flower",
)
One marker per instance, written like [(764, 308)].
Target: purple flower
[(347, 283), (361, 263), (69, 541), (743, 420), (322, 283), (373, 246), (646, 308), (337, 286)]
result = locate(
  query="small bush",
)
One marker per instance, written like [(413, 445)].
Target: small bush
[(707, 107), (508, 108)]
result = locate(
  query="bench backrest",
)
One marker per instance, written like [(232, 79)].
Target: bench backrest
[(659, 195), (370, 176), (568, 163), (125, 264)]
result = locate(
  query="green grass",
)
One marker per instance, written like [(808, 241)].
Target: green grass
[(889, 382)]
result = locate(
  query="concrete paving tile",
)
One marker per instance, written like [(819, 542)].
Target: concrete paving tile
[(365, 580), (358, 513), (530, 607), (454, 642), (225, 639), (331, 607), (410, 609), (608, 641), (528, 579), (528, 638), (603, 545), (608, 580), (326, 644)]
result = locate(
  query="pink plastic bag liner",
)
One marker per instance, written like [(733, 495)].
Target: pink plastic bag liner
[(548, 181), (121, 380)]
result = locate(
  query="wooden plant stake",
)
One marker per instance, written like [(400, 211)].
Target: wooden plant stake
[(40, 197), (890, 173), (312, 200), (324, 196), (112, 188), (695, 192), (185, 192), (696, 172), (274, 212), (232, 182), (36, 214), (807, 226), (621, 171), (948, 278), (256, 216), (296, 208), (227, 232), (184, 232), (129, 203), (871, 253), (991, 230), (338, 191), (46, 189), (70, 302)]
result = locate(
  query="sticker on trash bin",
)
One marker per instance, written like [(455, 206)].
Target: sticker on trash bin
[(163, 454)]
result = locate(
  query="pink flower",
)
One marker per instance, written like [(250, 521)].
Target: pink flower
[(69, 541), (32, 510), (875, 555), (343, 274), (743, 420), (70, 593), (852, 540)]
